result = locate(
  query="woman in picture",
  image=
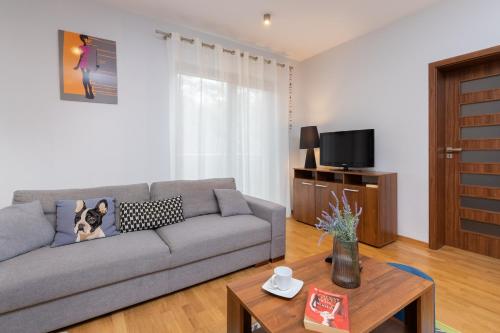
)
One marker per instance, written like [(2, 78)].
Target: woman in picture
[(87, 64)]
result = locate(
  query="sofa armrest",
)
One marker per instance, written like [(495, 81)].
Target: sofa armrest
[(274, 214)]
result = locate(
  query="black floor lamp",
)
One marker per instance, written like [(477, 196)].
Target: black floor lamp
[(309, 139)]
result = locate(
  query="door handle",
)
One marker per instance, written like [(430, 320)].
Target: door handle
[(453, 150), (318, 185), (351, 190), (304, 183)]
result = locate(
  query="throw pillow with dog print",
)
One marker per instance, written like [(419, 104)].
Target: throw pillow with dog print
[(82, 220)]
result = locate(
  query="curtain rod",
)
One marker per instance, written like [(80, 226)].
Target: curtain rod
[(167, 35)]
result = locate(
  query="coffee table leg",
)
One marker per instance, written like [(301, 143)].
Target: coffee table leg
[(419, 315), (238, 319), (426, 321)]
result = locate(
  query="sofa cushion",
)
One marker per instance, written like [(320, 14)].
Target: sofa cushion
[(149, 215), (206, 236), (48, 198), (23, 228), (231, 202), (198, 196), (49, 273), (83, 220)]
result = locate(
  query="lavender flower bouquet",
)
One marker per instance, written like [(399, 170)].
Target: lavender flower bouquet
[(341, 223)]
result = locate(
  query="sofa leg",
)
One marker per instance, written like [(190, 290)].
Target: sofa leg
[(261, 263), (277, 259)]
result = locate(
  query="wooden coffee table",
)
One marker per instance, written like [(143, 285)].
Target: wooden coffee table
[(383, 292)]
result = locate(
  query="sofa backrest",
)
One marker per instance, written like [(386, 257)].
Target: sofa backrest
[(48, 198), (198, 196)]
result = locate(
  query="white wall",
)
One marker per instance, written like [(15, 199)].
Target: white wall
[(380, 81), (49, 143)]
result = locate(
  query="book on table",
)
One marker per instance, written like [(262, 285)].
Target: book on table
[(326, 312)]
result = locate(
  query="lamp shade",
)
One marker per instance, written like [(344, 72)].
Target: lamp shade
[(309, 137)]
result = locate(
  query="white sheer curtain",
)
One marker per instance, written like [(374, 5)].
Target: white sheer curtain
[(228, 118)]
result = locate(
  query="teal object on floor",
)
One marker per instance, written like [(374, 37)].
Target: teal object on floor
[(439, 327), (412, 270)]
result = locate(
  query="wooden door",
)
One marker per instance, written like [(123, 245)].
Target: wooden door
[(472, 158), (356, 198), (304, 207), (324, 196)]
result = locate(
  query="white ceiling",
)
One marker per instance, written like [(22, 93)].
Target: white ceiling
[(300, 28)]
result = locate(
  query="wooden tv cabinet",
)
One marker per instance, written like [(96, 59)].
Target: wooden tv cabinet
[(375, 192)]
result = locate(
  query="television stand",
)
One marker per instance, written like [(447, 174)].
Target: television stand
[(375, 192)]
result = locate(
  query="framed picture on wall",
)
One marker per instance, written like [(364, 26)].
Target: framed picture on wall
[(87, 68)]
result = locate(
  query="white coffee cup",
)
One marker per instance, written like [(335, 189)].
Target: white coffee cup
[(282, 278)]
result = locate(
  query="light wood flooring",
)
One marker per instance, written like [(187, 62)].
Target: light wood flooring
[(467, 290)]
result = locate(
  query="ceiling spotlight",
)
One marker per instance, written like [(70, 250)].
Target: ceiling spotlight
[(267, 19)]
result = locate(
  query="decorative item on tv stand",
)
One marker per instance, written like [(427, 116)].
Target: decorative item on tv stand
[(309, 139), (342, 224)]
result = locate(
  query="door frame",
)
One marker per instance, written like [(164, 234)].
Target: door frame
[(437, 71)]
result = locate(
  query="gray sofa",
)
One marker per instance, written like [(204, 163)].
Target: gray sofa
[(51, 288)]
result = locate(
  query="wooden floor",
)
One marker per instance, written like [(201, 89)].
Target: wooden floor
[(467, 290)]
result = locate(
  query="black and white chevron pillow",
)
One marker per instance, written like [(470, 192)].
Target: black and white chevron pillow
[(135, 216)]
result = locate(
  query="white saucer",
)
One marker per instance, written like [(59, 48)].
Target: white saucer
[(289, 293)]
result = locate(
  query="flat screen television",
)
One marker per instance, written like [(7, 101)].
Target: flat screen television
[(348, 149)]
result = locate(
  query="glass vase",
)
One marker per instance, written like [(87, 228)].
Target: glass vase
[(346, 269)]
